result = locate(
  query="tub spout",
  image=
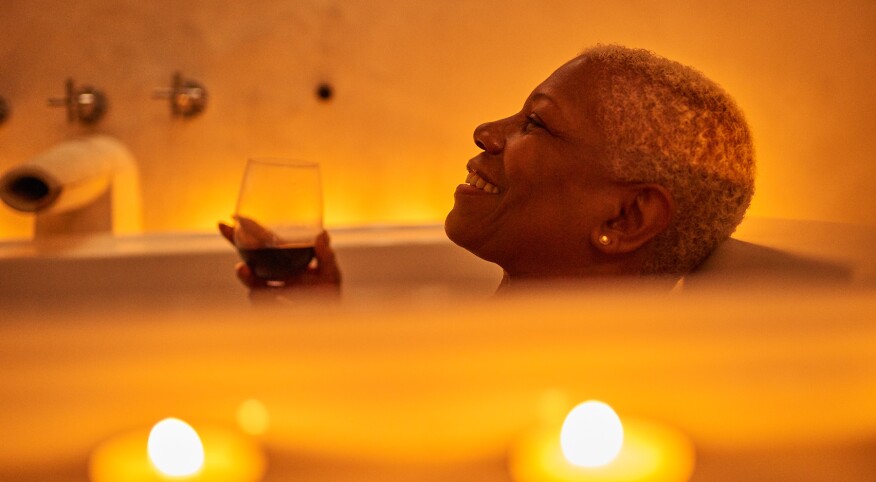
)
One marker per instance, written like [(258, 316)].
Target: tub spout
[(82, 186)]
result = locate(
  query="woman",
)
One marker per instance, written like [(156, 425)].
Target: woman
[(620, 163)]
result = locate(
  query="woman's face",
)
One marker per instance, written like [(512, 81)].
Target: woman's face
[(537, 190)]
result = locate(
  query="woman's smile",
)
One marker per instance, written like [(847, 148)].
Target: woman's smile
[(535, 172), (476, 180)]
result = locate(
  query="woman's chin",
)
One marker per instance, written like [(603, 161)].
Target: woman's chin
[(463, 231), (451, 226)]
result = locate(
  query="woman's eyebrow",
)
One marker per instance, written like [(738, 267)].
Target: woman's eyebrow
[(542, 95), (544, 98)]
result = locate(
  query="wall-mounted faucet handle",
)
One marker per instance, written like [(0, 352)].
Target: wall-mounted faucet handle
[(188, 97), (86, 104), (4, 110)]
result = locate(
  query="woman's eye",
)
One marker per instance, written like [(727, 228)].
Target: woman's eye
[(532, 120)]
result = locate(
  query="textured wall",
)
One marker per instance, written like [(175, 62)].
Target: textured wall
[(412, 79)]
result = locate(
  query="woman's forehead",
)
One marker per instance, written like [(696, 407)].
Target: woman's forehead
[(572, 92), (573, 83)]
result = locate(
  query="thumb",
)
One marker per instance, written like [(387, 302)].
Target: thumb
[(227, 232)]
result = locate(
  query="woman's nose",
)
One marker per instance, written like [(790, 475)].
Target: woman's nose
[(488, 136)]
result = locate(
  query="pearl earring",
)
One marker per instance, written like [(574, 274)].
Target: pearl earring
[(604, 240)]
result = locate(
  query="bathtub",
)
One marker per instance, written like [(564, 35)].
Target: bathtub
[(418, 261), (419, 374)]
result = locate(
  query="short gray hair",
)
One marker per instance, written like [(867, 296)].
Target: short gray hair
[(668, 124)]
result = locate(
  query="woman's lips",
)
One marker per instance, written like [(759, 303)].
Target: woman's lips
[(475, 180), (468, 189)]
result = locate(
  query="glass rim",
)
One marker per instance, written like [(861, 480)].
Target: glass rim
[(281, 161)]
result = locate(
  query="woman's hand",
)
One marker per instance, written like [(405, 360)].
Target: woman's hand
[(323, 274)]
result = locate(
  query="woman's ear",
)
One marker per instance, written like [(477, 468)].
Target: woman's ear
[(644, 211)]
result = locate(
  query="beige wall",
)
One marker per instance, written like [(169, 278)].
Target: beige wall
[(412, 79)]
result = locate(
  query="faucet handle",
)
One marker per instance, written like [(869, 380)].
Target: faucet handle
[(188, 97), (86, 104)]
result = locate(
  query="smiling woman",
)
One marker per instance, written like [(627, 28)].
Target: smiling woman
[(550, 185), (621, 163)]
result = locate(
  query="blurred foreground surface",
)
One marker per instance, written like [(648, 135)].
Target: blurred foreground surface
[(766, 358), (769, 385)]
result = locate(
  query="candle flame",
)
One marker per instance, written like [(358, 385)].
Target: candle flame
[(592, 435), (175, 449)]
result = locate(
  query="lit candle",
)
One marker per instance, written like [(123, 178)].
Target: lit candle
[(593, 445), (173, 451)]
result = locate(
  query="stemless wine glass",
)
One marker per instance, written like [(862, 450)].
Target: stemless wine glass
[(278, 217)]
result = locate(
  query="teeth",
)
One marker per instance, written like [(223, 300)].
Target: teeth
[(477, 181)]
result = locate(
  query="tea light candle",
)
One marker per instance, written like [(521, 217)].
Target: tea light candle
[(173, 451), (593, 445)]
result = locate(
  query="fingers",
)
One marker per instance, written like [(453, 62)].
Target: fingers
[(322, 245), (327, 266), (325, 255), (227, 232), (245, 275), (252, 234), (325, 272)]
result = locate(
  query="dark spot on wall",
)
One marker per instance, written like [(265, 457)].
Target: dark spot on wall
[(324, 92)]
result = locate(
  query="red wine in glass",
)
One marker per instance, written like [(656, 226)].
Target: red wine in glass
[(277, 264), (278, 217)]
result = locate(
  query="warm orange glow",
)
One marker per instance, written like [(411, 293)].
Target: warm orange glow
[(592, 435), (177, 452), (253, 417), (175, 449), (592, 446)]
